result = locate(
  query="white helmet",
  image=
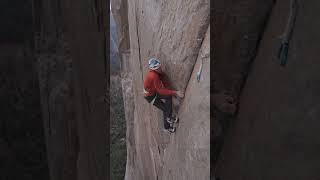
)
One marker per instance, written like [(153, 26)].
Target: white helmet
[(154, 63)]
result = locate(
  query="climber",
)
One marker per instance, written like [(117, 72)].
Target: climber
[(157, 92)]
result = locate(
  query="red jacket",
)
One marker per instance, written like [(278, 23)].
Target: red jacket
[(154, 83)]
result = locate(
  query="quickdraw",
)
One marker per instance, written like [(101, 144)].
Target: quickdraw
[(283, 51), (200, 71), (200, 68)]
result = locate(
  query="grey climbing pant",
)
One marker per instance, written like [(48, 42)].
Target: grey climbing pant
[(164, 106)]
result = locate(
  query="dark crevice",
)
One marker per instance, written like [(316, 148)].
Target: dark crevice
[(225, 121), (250, 66), (49, 114), (22, 141), (106, 52), (87, 100), (256, 48)]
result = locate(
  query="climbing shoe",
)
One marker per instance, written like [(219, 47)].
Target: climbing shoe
[(170, 130)]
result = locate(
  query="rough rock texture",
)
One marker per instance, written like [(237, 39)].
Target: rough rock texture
[(22, 142), (120, 12), (188, 155), (238, 27), (114, 53), (237, 30), (72, 54), (173, 31), (86, 30), (276, 132), (57, 92)]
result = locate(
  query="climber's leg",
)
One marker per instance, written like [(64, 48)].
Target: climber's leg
[(163, 106), (159, 104), (167, 104), (169, 112)]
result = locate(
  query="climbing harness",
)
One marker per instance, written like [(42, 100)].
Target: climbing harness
[(286, 36), (154, 98)]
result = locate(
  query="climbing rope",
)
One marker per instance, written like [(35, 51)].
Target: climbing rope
[(286, 36)]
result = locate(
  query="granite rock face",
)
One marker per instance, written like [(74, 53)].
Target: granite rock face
[(73, 86), (187, 155), (174, 32), (238, 28), (276, 131), (22, 142)]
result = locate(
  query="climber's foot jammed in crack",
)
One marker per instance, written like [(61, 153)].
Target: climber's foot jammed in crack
[(157, 91)]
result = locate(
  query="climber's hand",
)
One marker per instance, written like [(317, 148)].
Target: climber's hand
[(180, 94)]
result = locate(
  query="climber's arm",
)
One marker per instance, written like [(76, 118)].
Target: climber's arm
[(160, 90)]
